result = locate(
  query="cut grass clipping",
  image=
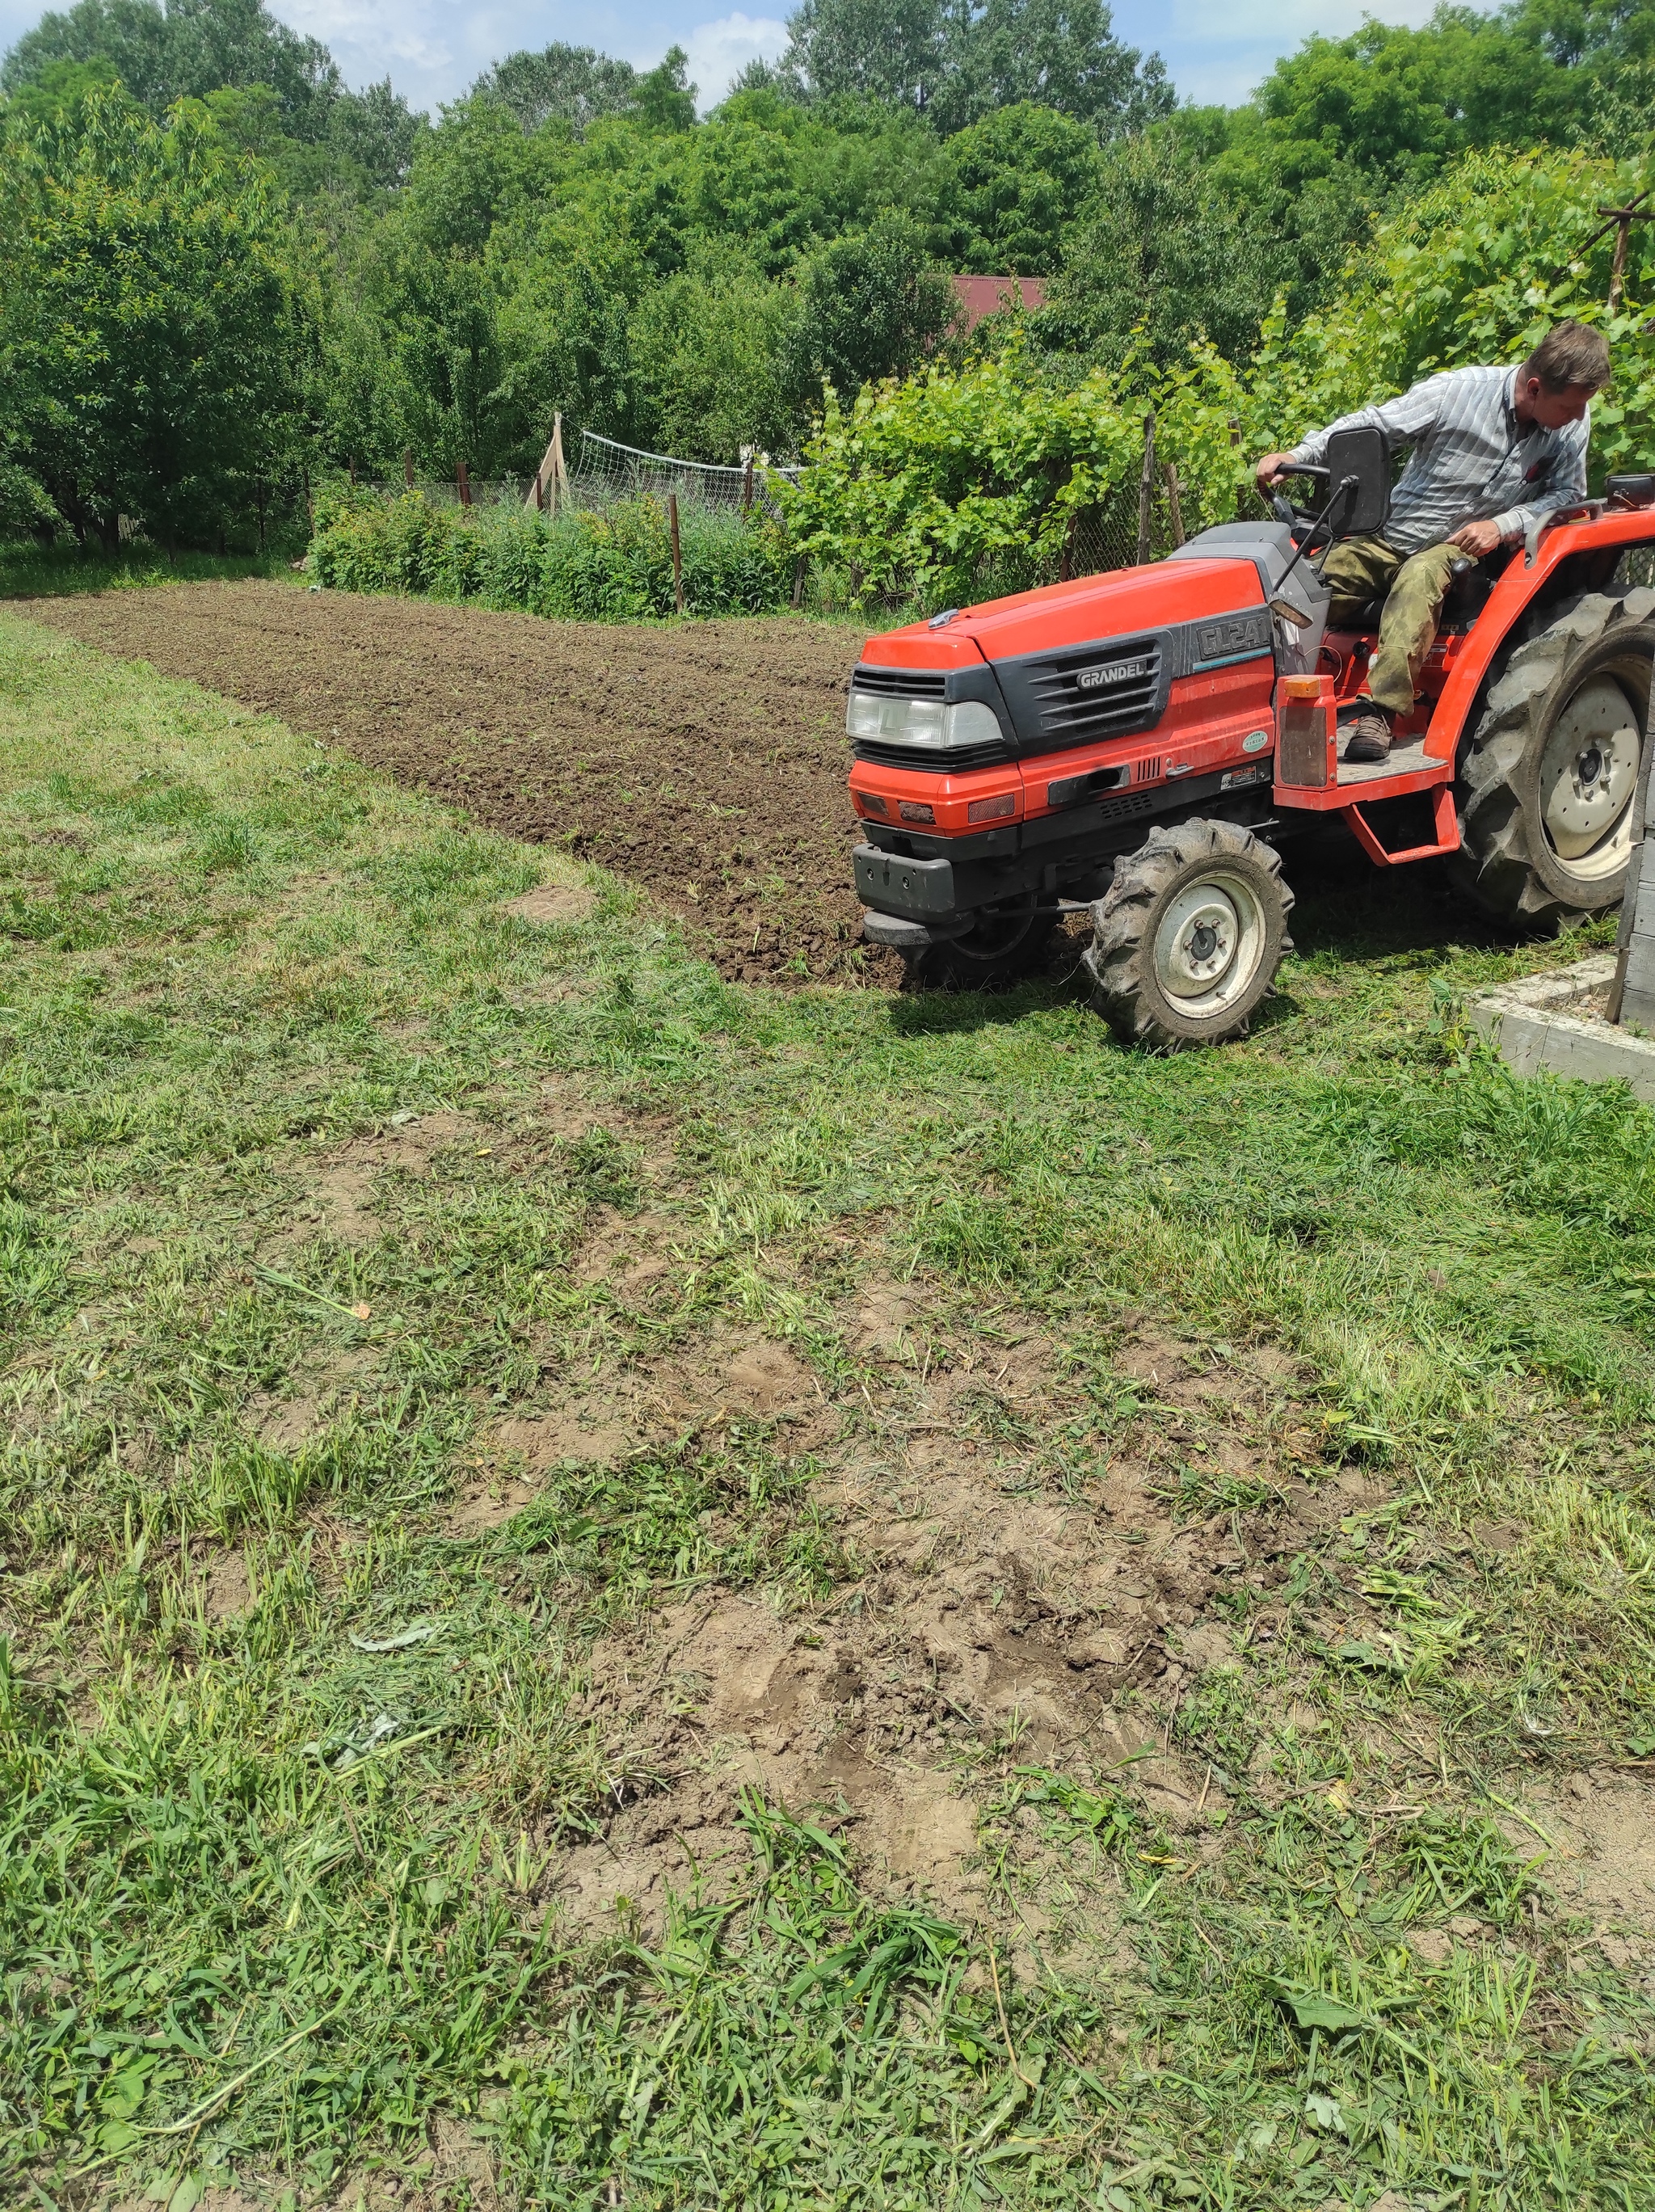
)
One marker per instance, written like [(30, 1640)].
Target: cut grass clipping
[(295, 1759)]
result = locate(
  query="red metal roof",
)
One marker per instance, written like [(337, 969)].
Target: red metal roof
[(987, 295)]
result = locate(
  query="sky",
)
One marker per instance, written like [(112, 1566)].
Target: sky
[(1216, 49)]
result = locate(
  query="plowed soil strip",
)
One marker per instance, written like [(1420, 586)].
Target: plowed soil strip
[(706, 762)]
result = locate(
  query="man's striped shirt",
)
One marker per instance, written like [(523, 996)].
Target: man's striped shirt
[(1472, 460)]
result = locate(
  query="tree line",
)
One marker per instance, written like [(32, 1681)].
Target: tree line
[(223, 272)]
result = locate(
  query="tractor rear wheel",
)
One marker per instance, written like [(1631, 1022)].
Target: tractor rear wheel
[(1188, 936), (1548, 776)]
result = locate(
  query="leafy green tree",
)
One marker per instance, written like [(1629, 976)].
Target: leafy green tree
[(147, 324), (1060, 54), (574, 85), (870, 306), (55, 97), (192, 48), (708, 349), (666, 98), (1025, 172), (882, 49), (1158, 260), (959, 60)]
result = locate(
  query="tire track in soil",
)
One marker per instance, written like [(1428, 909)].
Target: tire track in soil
[(707, 763)]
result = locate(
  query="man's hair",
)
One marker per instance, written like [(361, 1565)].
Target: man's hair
[(1570, 354)]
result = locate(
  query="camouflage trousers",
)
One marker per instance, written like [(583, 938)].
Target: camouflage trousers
[(1362, 569)]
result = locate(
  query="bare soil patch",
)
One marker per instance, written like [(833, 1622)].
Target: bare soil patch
[(995, 1616), (706, 762)]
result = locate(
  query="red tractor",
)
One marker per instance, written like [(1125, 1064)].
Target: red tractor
[(1140, 743)]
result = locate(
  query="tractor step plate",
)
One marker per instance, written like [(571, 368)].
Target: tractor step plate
[(1405, 760)]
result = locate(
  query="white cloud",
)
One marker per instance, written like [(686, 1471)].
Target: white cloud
[(721, 50)]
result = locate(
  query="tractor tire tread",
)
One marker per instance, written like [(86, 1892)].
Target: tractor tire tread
[(1115, 959), (1495, 866)]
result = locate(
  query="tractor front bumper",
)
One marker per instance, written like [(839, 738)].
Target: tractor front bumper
[(908, 904), (891, 882)]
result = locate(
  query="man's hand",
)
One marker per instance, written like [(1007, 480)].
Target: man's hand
[(1476, 539), (1271, 470)]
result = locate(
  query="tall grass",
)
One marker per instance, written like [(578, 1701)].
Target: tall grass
[(29, 571), (616, 565)]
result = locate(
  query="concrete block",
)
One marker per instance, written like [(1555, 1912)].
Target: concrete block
[(1532, 1026), (1640, 963)]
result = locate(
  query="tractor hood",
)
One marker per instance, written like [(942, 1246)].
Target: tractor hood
[(1069, 665)]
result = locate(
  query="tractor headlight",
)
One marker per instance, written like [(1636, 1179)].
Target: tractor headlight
[(920, 722)]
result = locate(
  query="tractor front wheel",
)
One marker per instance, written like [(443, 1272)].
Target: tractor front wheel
[(1548, 776), (1188, 936)]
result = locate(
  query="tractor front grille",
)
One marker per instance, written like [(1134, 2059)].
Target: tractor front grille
[(901, 683), (925, 761), (1088, 695)]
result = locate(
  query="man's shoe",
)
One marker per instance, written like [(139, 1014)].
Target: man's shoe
[(1369, 741)]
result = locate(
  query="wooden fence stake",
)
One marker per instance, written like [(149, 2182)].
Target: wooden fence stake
[(1240, 489), (560, 471), (1146, 498), (747, 479), (1066, 562), (463, 479), (798, 582), (1172, 501), (408, 466), (678, 553)]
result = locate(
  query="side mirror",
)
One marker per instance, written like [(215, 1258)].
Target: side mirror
[(1365, 457)]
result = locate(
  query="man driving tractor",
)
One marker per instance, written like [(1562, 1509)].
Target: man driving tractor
[(1493, 451)]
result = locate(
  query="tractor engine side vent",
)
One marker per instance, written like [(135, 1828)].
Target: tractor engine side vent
[(1148, 771), (1117, 810)]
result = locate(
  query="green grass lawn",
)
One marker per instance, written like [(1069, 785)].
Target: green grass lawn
[(292, 1758)]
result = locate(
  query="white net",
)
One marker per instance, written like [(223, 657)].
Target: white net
[(602, 471)]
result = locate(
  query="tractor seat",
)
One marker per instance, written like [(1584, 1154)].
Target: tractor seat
[(1467, 596)]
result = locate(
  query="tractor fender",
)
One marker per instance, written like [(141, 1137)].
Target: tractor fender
[(1514, 593)]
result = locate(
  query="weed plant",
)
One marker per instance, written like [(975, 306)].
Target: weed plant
[(278, 1852), (612, 566)]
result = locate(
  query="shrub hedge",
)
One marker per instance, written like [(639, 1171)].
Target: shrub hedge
[(613, 566)]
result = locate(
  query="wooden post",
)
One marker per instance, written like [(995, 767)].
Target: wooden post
[(798, 582), (1240, 489), (1146, 497), (463, 480), (351, 465), (408, 466), (1173, 503), (1066, 562), (678, 553), (1621, 219), (560, 472), (747, 479), (310, 511)]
